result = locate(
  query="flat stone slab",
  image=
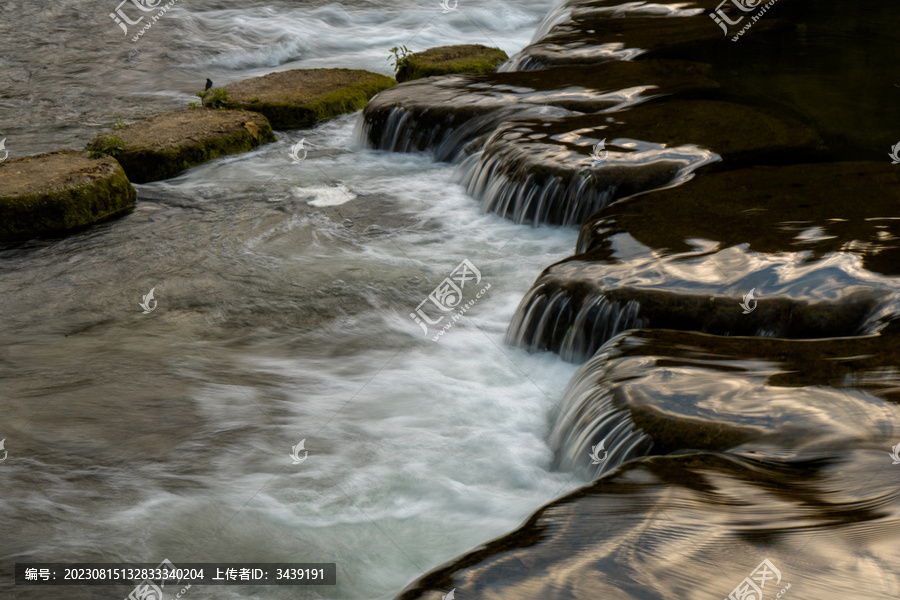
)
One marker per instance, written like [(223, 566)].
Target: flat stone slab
[(555, 171), (449, 60), (445, 114), (300, 98), (815, 242), (820, 207), (596, 32), (52, 193), (165, 145)]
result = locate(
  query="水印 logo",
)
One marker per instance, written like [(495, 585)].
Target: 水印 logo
[(595, 452), (5, 453), (145, 304), (295, 452), (895, 455), (600, 153), (447, 298), (4, 150), (895, 153), (450, 596), (296, 149), (445, 4), (748, 298)]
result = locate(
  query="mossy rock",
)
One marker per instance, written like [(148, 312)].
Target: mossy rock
[(56, 192), (167, 144), (448, 60), (300, 98)]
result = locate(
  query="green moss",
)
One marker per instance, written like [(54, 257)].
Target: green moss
[(106, 146), (289, 115), (447, 60), (215, 98), (153, 163), (48, 212)]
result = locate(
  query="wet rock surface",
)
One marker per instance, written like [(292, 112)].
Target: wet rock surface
[(57, 192), (445, 114), (733, 297), (559, 171), (719, 453)]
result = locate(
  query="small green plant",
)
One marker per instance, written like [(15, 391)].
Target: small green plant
[(193, 105), (118, 123), (218, 98), (254, 99), (400, 56), (108, 146)]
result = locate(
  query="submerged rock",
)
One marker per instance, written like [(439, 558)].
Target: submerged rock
[(445, 114), (300, 98), (560, 171), (53, 193), (448, 60), (166, 144)]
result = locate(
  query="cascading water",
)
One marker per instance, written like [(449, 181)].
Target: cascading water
[(547, 320), (591, 434)]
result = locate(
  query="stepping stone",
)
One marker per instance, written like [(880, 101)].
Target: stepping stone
[(546, 171), (167, 144), (300, 98), (57, 192), (449, 60), (445, 114)]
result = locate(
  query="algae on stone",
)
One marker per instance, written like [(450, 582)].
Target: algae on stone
[(300, 98), (166, 144), (448, 60), (57, 192)]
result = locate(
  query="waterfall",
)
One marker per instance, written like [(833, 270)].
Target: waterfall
[(547, 321), (587, 416)]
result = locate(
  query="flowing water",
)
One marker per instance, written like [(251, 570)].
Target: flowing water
[(285, 294)]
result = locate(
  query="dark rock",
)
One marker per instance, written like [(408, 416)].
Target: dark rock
[(541, 170), (445, 114)]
